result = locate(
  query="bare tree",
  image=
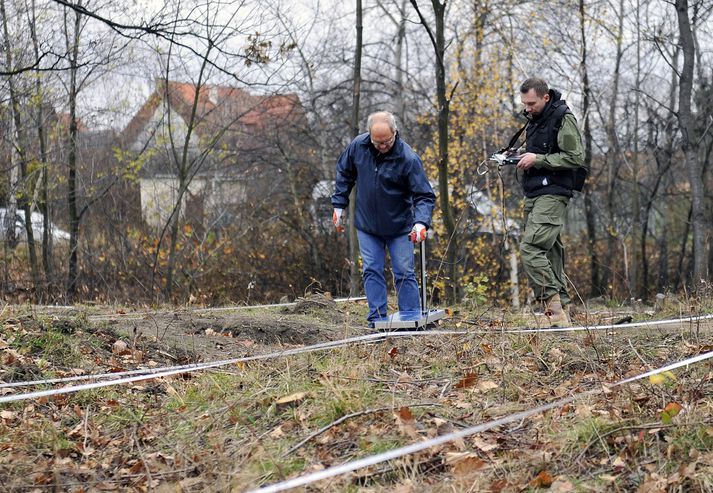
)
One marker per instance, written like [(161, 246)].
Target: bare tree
[(687, 126), (22, 187), (438, 40)]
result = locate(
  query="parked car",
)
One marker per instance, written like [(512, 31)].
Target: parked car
[(37, 226)]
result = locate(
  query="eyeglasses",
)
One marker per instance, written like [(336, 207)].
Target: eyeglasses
[(384, 142)]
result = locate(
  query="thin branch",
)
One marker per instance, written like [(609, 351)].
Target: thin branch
[(428, 30), (346, 417)]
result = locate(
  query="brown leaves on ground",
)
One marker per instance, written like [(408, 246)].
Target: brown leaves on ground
[(229, 430)]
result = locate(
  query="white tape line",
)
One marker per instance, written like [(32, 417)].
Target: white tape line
[(277, 354), (214, 364), (358, 339), (426, 444), (609, 326), (144, 371)]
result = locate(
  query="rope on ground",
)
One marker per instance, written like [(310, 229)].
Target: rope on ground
[(159, 371), (214, 364)]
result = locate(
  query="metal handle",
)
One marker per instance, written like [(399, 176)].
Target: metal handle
[(422, 247)]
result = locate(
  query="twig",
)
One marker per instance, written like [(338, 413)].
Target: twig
[(143, 459), (168, 355), (638, 355), (346, 417), (86, 426), (444, 389), (391, 382)]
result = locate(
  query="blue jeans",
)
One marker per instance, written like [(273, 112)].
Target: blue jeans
[(373, 255)]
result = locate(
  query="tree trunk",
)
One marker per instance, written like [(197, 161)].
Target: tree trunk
[(438, 40), (637, 286), (74, 218), (43, 185), (613, 156), (400, 101), (20, 155), (687, 125), (9, 220), (354, 274), (587, 134)]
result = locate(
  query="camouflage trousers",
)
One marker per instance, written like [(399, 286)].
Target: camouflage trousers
[(541, 247)]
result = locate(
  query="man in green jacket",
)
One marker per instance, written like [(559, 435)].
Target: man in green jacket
[(552, 160)]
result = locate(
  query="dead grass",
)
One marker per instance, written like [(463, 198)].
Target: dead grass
[(234, 429)]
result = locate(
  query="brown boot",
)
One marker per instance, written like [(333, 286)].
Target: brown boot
[(556, 315)]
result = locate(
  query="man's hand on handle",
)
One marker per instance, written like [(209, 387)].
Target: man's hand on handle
[(527, 160), (337, 220), (418, 233)]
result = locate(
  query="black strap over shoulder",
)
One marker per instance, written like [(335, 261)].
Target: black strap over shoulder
[(514, 139)]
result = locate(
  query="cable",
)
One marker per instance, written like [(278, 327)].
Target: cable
[(204, 366), (339, 343)]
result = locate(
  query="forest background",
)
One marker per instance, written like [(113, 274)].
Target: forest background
[(75, 74)]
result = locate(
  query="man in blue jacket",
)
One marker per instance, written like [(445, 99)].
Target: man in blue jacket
[(394, 203)]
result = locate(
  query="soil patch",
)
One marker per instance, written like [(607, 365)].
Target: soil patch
[(228, 334)]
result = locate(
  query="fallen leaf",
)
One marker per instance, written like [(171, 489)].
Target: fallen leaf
[(407, 422), (291, 400), (486, 385), (670, 411), (406, 415), (619, 462), (484, 445), (464, 464), (462, 405), (652, 484), (561, 486), (8, 415), (687, 470), (673, 407), (498, 485), (119, 347), (278, 432), (467, 381), (542, 480), (662, 378), (137, 467), (393, 352)]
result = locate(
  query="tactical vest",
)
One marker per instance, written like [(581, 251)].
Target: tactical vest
[(541, 138)]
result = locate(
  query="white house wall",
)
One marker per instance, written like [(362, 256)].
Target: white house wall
[(158, 198), (157, 130)]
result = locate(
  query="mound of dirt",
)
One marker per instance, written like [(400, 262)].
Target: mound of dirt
[(266, 329)]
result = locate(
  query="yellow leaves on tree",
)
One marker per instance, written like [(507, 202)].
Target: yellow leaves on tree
[(480, 123)]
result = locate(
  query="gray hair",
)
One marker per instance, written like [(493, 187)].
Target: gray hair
[(381, 116)]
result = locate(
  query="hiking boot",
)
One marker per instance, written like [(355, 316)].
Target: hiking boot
[(555, 313)]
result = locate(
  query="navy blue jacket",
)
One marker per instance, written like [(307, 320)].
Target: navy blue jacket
[(393, 192)]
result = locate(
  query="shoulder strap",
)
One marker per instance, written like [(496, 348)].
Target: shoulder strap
[(515, 138)]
